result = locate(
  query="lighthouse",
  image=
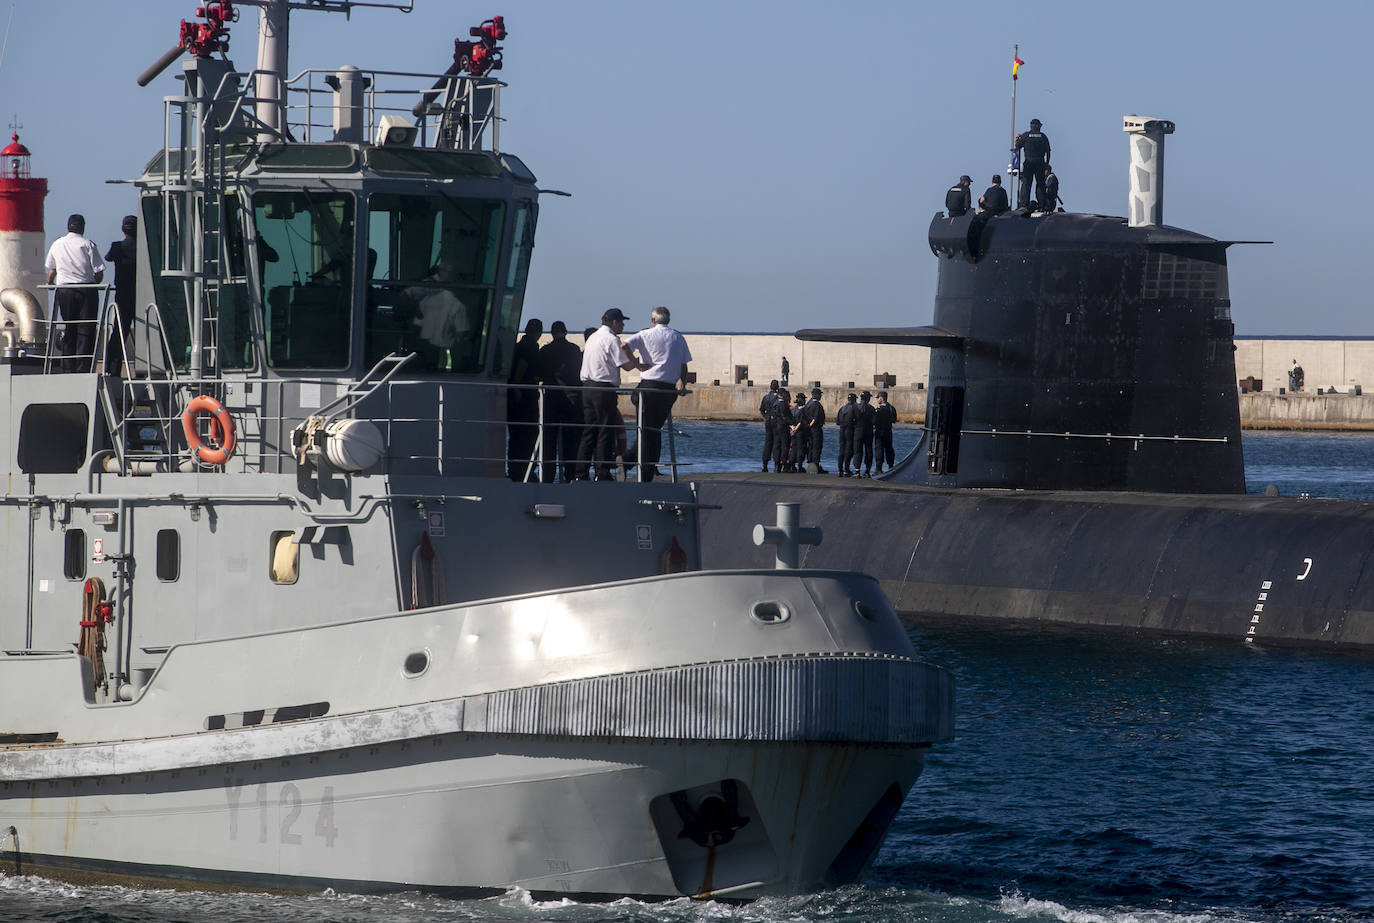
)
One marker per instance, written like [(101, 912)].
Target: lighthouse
[(21, 220)]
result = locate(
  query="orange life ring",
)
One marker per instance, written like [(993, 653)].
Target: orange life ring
[(221, 430)]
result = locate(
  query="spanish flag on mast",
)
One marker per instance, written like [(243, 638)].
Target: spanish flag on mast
[(1015, 66)]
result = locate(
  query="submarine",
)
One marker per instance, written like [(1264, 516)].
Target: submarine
[(1081, 461)]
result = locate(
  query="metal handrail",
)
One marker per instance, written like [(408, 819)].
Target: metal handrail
[(263, 438)]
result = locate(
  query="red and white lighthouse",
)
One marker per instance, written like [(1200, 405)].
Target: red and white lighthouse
[(21, 220)]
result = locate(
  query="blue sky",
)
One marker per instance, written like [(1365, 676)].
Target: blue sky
[(765, 166)]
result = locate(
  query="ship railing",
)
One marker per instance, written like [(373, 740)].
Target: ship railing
[(452, 111), (428, 426), (52, 353)]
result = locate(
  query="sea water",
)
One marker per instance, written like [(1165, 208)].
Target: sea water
[(1094, 779)]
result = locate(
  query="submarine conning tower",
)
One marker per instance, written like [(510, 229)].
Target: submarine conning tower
[(1081, 352)]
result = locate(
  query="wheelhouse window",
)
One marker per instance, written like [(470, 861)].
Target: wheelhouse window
[(432, 277), (513, 300), (304, 246)]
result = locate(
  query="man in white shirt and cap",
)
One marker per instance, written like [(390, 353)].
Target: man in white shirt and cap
[(74, 260), (602, 359), (664, 376)]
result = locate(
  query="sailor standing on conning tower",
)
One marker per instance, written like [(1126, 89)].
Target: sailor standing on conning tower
[(1034, 146)]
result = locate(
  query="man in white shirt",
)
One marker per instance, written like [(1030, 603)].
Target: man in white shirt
[(74, 260), (664, 375), (602, 359)]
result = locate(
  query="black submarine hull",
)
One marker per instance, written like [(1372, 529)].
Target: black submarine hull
[(1245, 568)]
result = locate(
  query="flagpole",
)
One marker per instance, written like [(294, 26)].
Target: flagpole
[(1015, 188)]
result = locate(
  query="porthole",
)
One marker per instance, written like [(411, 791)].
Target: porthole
[(770, 613), (866, 611), (416, 663)]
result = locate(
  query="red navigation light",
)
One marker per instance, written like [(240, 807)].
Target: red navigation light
[(482, 56), (203, 39)]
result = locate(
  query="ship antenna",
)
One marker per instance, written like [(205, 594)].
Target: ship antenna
[(6, 43), (1014, 167)]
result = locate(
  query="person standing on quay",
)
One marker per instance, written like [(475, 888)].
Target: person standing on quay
[(74, 260), (663, 378), (884, 415), (123, 254), (786, 368), (846, 419), (765, 411)]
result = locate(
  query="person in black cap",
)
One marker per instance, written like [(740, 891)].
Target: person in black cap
[(1034, 146), (846, 419), (863, 437), (780, 420), (797, 461), (813, 421), (994, 199), (123, 255), (884, 415), (1051, 200), (560, 363), (74, 260), (602, 361), (957, 199), (765, 411)]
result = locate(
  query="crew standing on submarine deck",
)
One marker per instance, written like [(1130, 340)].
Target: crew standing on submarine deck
[(884, 415), (765, 410), (1034, 146), (813, 420), (957, 199), (863, 438), (846, 418), (1051, 200)]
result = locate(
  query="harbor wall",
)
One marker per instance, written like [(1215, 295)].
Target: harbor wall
[(725, 363)]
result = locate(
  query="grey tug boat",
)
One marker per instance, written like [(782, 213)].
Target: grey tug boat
[(274, 616)]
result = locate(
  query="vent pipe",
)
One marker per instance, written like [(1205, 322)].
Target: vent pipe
[(1146, 205)]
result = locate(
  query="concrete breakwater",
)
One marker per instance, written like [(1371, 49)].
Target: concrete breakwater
[(732, 372), (1264, 410)]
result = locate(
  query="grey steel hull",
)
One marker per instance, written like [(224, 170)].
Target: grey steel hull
[(462, 814), (564, 742)]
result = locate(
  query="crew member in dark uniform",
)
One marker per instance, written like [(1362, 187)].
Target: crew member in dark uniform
[(884, 415), (813, 421), (845, 419), (994, 199), (958, 197), (780, 419), (560, 363), (1051, 200), (522, 404), (800, 434), (1034, 146), (769, 430), (123, 255), (863, 437)]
